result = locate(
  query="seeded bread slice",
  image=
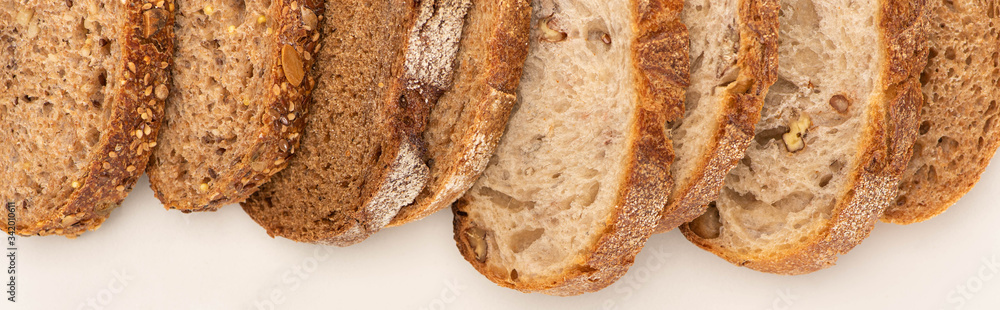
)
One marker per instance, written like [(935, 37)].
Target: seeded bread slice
[(734, 59), (466, 123), (835, 135), (383, 65), (83, 84), (959, 123), (240, 93), (580, 178)]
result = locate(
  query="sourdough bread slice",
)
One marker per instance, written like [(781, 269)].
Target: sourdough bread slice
[(241, 86), (82, 85), (466, 123), (834, 137), (959, 123), (579, 180), (734, 59), (383, 65)]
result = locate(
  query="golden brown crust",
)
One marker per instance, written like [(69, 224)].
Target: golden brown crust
[(959, 131), (890, 132), (122, 153), (758, 67), (660, 56), (485, 116), (281, 124)]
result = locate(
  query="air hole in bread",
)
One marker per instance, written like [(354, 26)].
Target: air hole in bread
[(783, 86), (697, 63), (950, 4), (764, 137), (795, 202), (523, 239), (506, 201), (932, 174), (992, 108), (93, 136), (979, 144), (836, 166), (947, 145), (598, 39), (825, 180), (46, 110), (925, 126), (590, 195), (513, 274), (105, 45), (988, 125), (709, 224)]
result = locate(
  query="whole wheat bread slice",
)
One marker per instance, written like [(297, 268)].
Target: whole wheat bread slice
[(580, 178), (835, 135), (383, 65), (240, 85), (82, 85), (734, 59), (466, 123), (959, 126)]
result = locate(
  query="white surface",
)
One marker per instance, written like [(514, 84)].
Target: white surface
[(223, 260)]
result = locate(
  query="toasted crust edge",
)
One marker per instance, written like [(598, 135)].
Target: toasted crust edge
[(282, 123), (508, 48), (891, 132), (758, 63), (102, 190), (660, 56)]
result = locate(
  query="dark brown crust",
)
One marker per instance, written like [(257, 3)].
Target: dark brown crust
[(962, 27), (660, 56), (486, 115), (758, 64), (102, 189), (891, 130), (399, 173), (281, 124)]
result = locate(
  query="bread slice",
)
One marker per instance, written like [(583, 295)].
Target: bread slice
[(383, 65), (734, 59), (835, 134), (580, 178), (466, 123), (240, 94), (82, 85), (959, 126)]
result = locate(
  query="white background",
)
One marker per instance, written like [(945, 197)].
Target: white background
[(145, 257)]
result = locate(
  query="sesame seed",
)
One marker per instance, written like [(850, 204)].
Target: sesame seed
[(130, 168), (146, 130), (291, 116), (120, 188), (138, 133)]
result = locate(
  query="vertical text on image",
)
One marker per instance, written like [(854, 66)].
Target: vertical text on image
[(11, 252)]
